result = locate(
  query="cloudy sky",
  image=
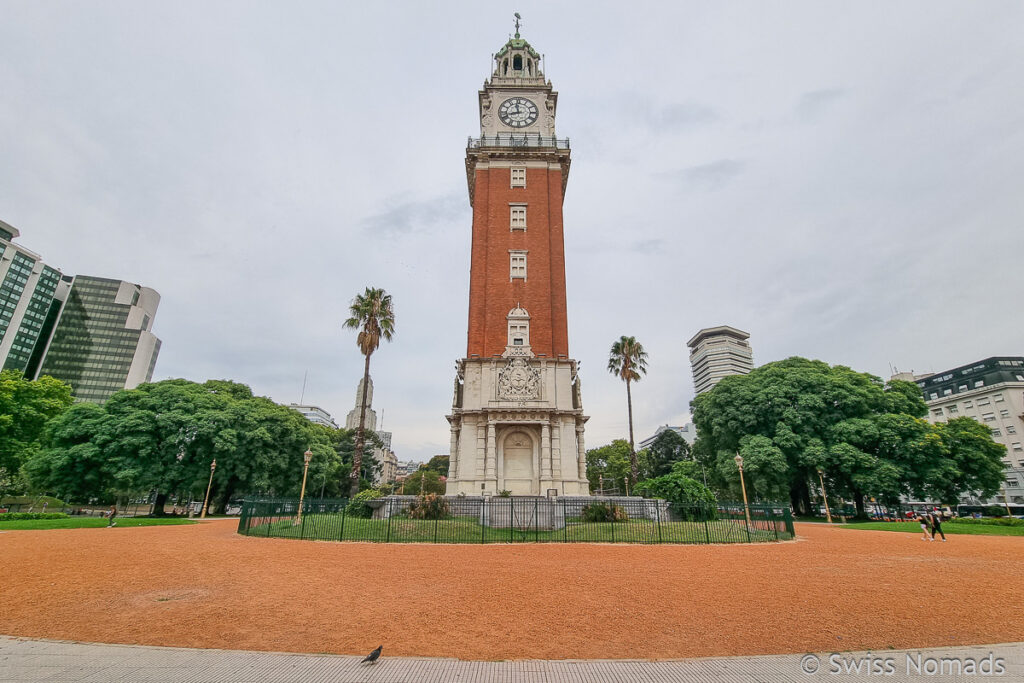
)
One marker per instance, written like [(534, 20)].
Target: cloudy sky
[(841, 179)]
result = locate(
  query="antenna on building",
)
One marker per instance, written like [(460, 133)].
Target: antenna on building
[(303, 395)]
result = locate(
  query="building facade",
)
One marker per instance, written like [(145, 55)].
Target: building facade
[(990, 391), (103, 339), (517, 419), (315, 414), (29, 303), (717, 352), (688, 431)]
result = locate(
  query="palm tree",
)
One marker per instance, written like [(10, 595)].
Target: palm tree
[(371, 314), (628, 361)]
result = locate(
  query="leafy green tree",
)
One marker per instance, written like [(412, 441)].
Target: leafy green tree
[(627, 360), (26, 407), (425, 481), (790, 418), (439, 464), (163, 437), (609, 464), (679, 489), (373, 315), (667, 449)]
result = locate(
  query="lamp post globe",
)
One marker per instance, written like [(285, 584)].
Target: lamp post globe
[(739, 461)]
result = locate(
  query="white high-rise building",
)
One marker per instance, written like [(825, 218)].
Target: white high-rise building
[(717, 352), (384, 455), (315, 414)]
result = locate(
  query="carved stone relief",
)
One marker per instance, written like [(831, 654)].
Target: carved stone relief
[(518, 381)]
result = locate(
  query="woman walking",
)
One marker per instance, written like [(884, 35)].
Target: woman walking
[(924, 527)]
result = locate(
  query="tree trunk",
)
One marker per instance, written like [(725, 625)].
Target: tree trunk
[(224, 498), (357, 455), (795, 500), (805, 492), (158, 504), (858, 499), (634, 470)]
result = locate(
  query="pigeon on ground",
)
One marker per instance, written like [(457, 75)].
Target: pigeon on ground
[(372, 657)]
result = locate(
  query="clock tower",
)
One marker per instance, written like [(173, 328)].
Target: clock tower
[(517, 416)]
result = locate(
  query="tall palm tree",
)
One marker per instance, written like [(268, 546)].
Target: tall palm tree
[(628, 361), (371, 314)]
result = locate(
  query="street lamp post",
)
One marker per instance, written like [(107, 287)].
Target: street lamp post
[(824, 495), (213, 466), (307, 456), (743, 486)]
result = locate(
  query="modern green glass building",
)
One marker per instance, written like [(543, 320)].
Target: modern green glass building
[(28, 288), (103, 341)]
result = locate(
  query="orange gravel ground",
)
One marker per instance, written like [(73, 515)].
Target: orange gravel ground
[(205, 586)]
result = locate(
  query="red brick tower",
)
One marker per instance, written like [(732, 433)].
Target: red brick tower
[(517, 418)]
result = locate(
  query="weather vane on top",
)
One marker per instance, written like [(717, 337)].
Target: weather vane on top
[(517, 24)]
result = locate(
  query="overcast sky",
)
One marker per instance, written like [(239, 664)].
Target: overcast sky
[(841, 179)]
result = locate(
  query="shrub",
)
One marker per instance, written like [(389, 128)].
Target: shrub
[(1001, 521), (429, 506), (995, 511), (603, 512), (357, 507), (504, 493), (8, 516)]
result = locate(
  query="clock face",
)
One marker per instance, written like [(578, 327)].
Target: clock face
[(517, 112)]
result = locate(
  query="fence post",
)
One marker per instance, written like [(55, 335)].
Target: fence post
[(435, 527), (775, 523), (483, 519), (613, 521), (270, 520), (707, 527), (536, 520), (341, 536), (511, 520), (746, 523), (657, 517), (565, 522), (391, 514)]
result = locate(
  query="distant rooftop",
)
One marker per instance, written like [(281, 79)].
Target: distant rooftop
[(719, 331)]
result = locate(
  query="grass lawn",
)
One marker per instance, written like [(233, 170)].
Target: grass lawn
[(328, 527), (949, 528), (87, 523)]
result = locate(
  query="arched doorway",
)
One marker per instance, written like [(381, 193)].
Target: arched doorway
[(517, 469)]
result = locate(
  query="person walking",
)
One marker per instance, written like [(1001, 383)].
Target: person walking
[(924, 527), (111, 515), (936, 521)]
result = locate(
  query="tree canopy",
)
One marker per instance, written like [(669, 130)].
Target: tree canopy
[(26, 407), (163, 437), (667, 449), (627, 360), (790, 418)]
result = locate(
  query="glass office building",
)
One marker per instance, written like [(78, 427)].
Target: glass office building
[(103, 341), (27, 290)]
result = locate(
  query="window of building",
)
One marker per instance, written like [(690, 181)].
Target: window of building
[(953, 410), (934, 396), (1010, 429), (962, 387), (979, 383), (968, 404), (1016, 446), (988, 417), (517, 264), (937, 412), (982, 402), (947, 392), (517, 217), (518, 176), (996, 432), (1011, 483), (998, 398), (1004, 413)]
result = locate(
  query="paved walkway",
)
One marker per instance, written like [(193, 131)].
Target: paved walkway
[(50, 660)]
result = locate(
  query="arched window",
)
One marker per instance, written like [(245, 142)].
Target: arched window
[(517, 63), (504, 68)]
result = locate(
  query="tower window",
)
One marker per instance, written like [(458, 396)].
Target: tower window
[(518, 176), (517, 265), (517, 217), (517, 63), (518, 327)]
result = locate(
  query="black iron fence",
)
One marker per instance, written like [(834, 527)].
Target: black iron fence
[(520, 519)]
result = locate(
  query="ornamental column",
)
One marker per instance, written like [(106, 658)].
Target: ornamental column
[(581, 453), (492, 453)]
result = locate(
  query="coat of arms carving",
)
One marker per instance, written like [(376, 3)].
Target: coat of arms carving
[(518, 381)]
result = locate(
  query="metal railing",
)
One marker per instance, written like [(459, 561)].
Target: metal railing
[(465, 519), (512, 140)]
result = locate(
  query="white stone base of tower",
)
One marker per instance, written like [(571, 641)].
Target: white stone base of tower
[(517, 425)]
